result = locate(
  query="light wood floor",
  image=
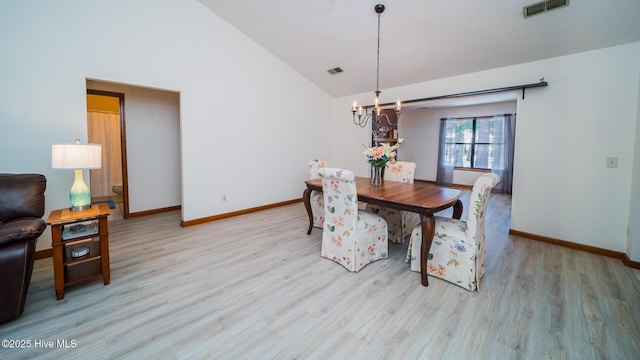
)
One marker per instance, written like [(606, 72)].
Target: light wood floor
[(255, 287)]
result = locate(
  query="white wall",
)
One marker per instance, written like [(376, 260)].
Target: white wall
[(420, 129), (633, 249), (562, 188), (249, 123)]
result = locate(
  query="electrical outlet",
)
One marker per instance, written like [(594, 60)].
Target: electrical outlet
[(612, 162)]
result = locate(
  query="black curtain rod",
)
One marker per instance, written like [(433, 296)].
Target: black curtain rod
[(475, 117), (470, 93)]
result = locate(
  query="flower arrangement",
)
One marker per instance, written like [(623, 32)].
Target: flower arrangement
[(378, 156)]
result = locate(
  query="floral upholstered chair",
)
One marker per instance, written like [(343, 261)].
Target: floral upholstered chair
[(351, 237), (458, 248), (400, 222), (317, 203)]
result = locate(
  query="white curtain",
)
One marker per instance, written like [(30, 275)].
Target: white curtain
[(104, 129)]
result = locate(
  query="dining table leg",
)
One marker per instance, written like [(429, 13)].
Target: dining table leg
[(428, 224), (457, 209), (306, 197)]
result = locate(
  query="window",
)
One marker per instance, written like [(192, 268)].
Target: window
[(475, 143)]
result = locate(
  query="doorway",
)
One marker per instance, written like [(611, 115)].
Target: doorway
[(105, 126)]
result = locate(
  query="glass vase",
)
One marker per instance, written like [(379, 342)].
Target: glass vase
[(376, 175)]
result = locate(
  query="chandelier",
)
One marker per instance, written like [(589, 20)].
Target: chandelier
[(360, 116)]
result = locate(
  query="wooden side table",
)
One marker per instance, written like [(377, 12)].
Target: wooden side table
[(80, 242)]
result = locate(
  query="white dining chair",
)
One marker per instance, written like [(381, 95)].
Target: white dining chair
[(400, 222), (458, 249), (317, 203), (351, 237)]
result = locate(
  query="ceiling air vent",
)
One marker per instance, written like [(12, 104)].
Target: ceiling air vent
[(543, 6), (554, 4), (334, 71)]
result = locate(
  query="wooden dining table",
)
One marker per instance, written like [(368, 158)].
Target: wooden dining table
[(423, 198)]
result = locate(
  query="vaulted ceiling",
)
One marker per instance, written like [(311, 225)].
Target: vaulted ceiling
[(422, 40)]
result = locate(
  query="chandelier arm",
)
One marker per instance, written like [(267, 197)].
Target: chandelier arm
[(386, 117), (360, 121), (380, 117)]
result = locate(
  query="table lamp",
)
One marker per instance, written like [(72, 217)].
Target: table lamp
[(77, 156)]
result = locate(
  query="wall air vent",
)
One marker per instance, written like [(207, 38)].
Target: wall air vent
[(543, 6), (334, 71)]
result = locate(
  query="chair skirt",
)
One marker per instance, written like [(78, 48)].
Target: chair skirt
[(400, 223), (354, 251), (451, 257), (317, 208)]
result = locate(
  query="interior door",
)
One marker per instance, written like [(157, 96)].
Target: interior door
[(105, 126)]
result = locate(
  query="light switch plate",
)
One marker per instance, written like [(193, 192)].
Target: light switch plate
[(612, 162)]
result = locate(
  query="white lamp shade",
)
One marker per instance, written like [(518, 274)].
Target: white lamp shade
[(76, 156)]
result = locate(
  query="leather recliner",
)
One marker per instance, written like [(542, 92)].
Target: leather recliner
[(21, 223)]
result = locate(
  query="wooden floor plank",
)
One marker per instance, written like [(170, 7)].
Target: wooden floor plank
[(255, 287)]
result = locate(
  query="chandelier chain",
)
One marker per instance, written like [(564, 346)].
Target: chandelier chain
[(378, 58), (361, 119)]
